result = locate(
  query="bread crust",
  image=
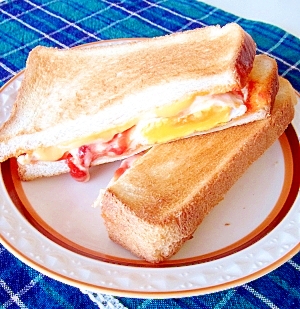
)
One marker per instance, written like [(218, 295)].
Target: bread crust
[(263, 86), (29, 172), (69, 94), (154, 207)]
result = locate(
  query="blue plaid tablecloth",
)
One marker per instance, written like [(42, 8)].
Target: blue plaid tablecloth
[(67, 23)]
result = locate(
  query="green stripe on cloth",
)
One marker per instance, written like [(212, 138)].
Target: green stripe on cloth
[(70, 23)]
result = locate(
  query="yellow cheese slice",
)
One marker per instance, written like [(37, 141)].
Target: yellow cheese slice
[(170, 124), (54, 153)]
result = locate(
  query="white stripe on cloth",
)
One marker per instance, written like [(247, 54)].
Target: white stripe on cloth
[(103, 301), (291, 262), (41, 7), (61, 29), (6, 68), (125, 18), (15, 298), (2, 2), (292, 67), (136, 14), (25, 12), (260, 296), (282, 39), (57, 31), (32, 28), (191, 20)]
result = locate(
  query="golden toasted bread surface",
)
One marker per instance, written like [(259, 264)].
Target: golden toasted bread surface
[(262, 89), (72, 93), (154, 207)]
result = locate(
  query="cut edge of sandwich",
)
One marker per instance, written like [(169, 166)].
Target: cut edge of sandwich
[(262, 85), (32, 134), (152, 209)]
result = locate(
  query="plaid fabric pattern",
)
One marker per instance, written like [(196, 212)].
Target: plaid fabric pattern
[(23, 287), (67, 23), (279, 289)]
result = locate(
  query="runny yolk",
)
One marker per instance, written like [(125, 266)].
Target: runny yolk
[(166, 129)]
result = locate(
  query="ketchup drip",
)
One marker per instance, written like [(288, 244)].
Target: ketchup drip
[(79, 170), (80, 162)]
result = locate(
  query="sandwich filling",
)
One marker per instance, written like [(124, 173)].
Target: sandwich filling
[(195, 113)]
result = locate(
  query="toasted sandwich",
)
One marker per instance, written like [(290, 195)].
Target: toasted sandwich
[(158, 203), (86, 106)]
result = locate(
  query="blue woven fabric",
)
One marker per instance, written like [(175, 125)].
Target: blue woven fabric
[(279, 289), (67, 23), (24, 287)]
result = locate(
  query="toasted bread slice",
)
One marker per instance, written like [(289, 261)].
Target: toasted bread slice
[(69, 97), (263, 86), (156, 205)]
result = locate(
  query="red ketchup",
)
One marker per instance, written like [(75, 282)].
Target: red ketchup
[(80, 163), (126, 164), (80, 170), (118, 145)]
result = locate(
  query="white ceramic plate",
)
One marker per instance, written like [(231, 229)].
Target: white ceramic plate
[(50, 225)]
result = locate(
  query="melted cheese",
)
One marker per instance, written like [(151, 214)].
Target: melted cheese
[(194, 113), (54, 153)]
